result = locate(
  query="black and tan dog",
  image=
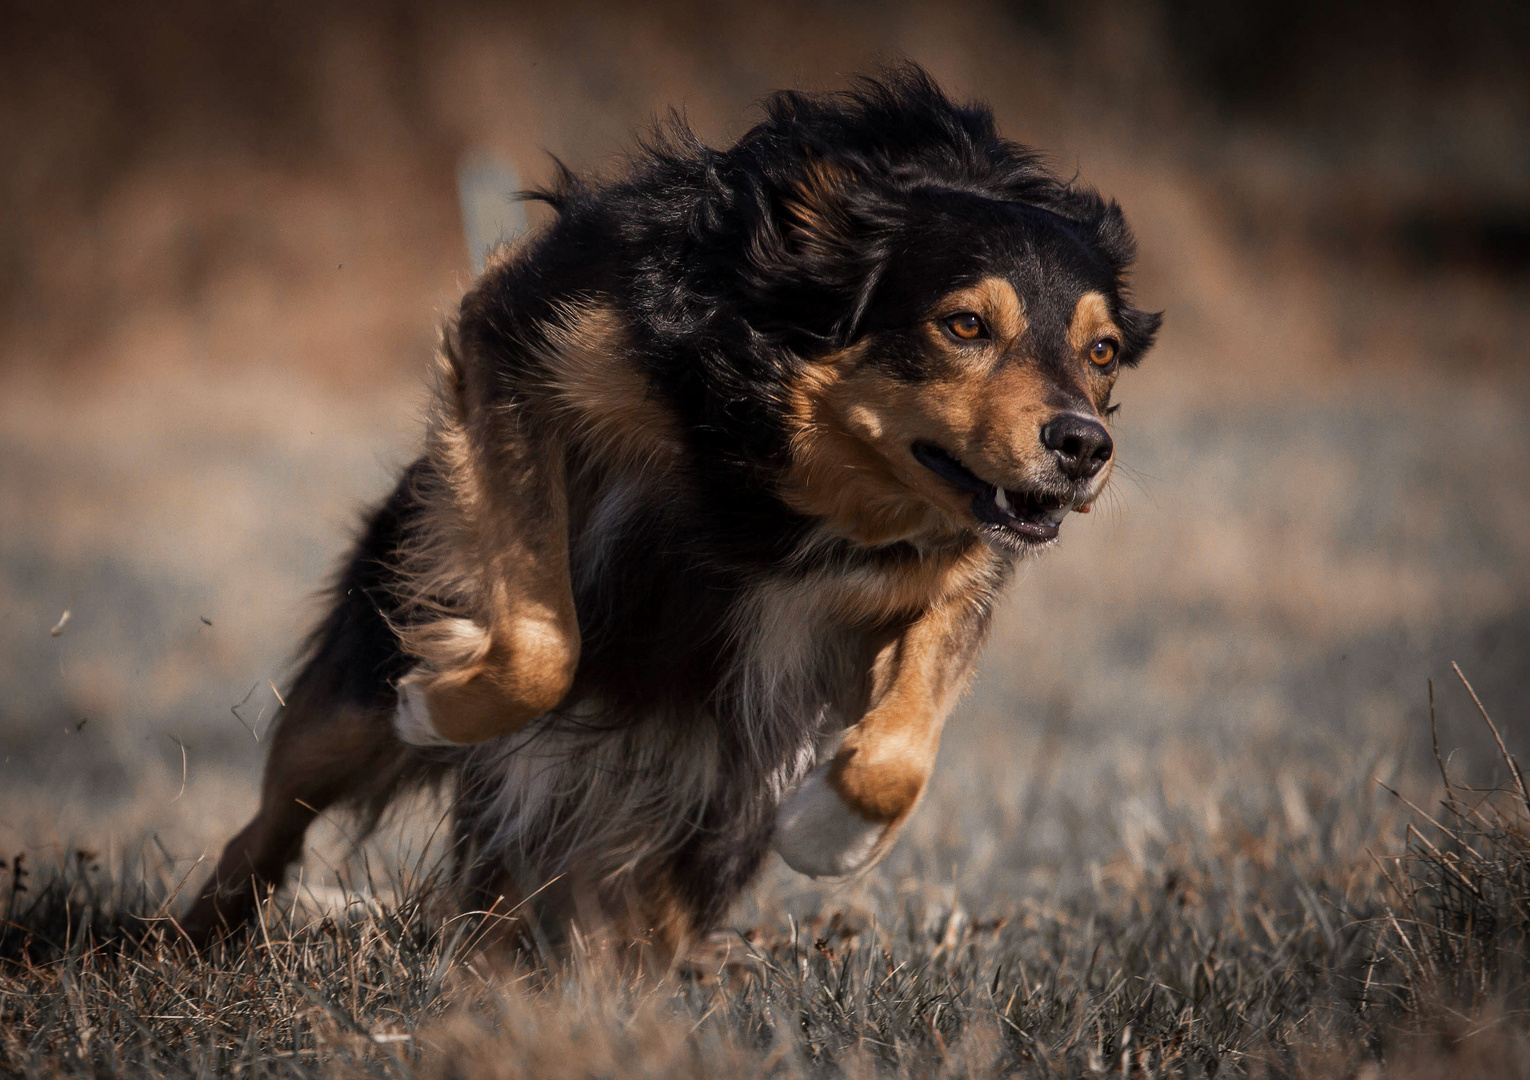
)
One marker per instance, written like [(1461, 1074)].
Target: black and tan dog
[(725, 469)]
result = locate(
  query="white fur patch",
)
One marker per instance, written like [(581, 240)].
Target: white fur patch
[(818, 835), (412, 721)]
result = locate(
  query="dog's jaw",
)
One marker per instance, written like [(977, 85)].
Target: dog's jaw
[(818, 835), (1016, 520)]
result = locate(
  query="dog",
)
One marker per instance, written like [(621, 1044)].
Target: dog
[(725, 469)]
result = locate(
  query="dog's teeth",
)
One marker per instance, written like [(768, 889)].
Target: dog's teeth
[(1002, 499)]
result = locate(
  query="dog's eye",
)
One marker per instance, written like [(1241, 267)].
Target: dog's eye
[(966, 325), (1103, 352)]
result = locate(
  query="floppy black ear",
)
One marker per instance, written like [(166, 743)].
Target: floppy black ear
[(1140, 328), (815, 211), (832, 228), (818, 254), (1105, 230)]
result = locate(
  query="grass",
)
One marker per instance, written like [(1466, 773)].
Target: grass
[(1318, 924)]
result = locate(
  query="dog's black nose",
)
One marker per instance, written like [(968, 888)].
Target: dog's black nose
[(1082, 445)]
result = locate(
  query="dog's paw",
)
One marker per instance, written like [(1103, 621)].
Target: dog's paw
[(412, 721), (818, 835)]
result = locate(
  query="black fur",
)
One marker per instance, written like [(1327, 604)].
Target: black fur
[(695, 247)]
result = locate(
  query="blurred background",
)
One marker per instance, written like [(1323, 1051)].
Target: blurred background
[(229, 233)]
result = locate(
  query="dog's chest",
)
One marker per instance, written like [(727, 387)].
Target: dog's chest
[(670, 625)]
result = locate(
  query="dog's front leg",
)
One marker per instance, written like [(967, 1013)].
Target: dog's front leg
[(495, 534), (527, 667), (515, 659), (847, 814)]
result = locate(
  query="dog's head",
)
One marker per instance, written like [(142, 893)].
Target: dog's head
[(959, 319)]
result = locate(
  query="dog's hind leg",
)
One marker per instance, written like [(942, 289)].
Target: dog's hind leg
[(324, 753), (847, 814), (333, 743)]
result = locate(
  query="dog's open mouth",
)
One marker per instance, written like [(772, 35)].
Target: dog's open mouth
[(1032, 516)]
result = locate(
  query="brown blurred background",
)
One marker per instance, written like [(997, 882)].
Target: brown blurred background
[(229, 232)]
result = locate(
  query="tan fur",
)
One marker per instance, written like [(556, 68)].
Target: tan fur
[(881, 768), (944, 576), (1001, 308), (837, 474), (853, 425), (606, 399), (816, 212), (1091, 321), (657, 922), (327, 752), (495, 540)]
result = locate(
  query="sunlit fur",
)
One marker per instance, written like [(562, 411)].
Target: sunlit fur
[(669, 554)]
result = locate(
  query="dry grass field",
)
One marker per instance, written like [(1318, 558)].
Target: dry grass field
[(1189, 822), (1312, 928)]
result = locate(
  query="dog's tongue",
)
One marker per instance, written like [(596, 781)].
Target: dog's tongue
[(1083, 508)]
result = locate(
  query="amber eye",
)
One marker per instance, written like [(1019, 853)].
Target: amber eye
[(1103, 352), (967, 326)]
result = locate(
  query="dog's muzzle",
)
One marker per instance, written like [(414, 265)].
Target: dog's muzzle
[(1032, 516)]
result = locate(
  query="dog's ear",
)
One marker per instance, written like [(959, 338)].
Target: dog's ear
[(1140, 328), (1103, 226), (819, 254), (816, 213)]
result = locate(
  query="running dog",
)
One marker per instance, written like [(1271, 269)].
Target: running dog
[(725, 469)]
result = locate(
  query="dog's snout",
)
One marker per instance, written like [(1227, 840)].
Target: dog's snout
[(1082, 446)]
